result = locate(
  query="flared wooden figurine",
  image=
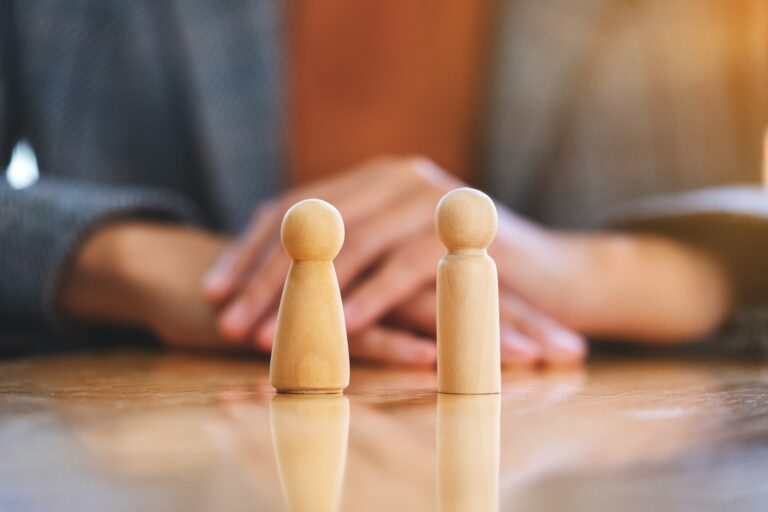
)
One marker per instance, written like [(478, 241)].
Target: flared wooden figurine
[(310, 352)]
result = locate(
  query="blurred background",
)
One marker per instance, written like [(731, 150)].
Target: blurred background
[(540, 100)]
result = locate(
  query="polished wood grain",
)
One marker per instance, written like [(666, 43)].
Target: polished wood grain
[(148, 431)]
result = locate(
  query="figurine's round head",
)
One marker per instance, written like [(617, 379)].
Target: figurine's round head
[(466, 219), (312, 230)]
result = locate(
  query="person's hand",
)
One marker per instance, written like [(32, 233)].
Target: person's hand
[(388, 209), (144, 274), (529, 338), (168, 282), (390, 254)]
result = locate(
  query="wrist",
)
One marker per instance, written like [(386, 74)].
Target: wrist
[(161, 266), (98, 286)]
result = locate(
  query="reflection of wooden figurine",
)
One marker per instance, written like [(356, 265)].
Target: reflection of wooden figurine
[(468, 360), (309, 353), (468, 452), (310, 440)]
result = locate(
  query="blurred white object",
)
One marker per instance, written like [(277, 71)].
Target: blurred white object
[(22, 171)]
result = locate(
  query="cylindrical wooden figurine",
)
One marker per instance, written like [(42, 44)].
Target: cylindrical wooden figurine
[(309, 352), (468, 354), (309, 434)]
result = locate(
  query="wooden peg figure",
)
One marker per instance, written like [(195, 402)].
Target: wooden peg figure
[(309, 352), (468, 355)]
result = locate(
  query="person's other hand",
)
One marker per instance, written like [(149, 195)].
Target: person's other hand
[(388, 209), (168, 284), (145, 274), (148, 275), (529, 338)]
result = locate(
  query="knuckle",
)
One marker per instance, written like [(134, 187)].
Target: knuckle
[(427, 173), (418, 161), (415, 165)]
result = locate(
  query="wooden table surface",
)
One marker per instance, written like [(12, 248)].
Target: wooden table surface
[(144, 431)]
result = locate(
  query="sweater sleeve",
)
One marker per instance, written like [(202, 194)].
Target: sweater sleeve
[(731, 223), (42, 226)]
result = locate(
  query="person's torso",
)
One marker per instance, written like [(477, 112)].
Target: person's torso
[(179, 95), (598, 103), (590, 103)]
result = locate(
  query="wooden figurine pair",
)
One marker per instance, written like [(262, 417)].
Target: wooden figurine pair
[(310, 353)]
